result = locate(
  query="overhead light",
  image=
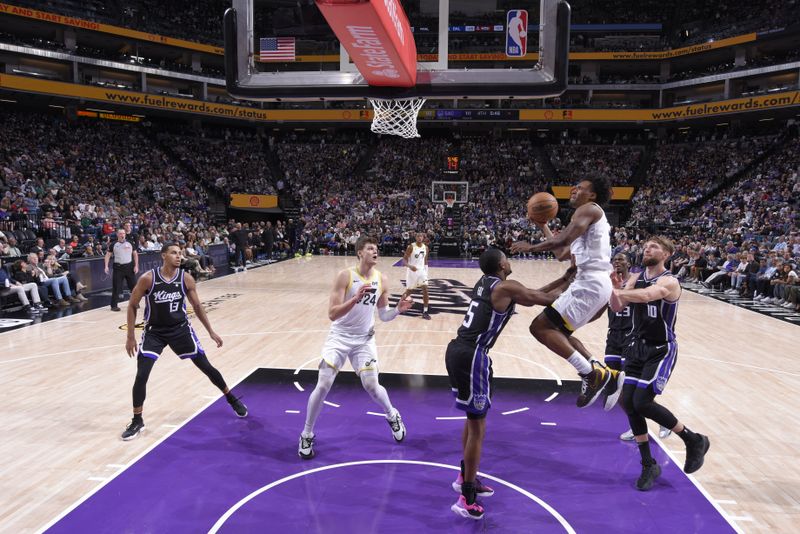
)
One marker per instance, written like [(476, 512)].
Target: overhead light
[(56, 106), (100, 110), (722, 124), (135, 115), (542, 129), (7, 100), (764, 120)]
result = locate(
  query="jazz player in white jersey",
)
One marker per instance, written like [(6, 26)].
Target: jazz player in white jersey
[(587, 238), (357, 293), (416, 258)]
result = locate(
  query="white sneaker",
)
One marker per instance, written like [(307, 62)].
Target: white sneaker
[(306, 447), (664, 432), (397, 426), (627, 435), (788, 305)]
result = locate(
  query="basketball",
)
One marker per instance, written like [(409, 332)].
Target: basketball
[(542, 207)]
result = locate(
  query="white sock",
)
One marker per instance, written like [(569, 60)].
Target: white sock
[(577, 361)]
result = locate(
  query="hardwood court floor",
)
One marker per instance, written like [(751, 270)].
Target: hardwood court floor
[(66, 383)]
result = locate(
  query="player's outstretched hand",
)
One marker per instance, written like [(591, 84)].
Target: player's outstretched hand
[(216, 339), (521, 247), (130, 346), (405, 304), (616, 280)]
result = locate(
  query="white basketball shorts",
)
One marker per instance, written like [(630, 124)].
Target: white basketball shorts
[(360, 349)]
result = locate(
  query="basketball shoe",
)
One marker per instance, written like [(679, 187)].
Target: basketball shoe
[(238, 407), (696, 453), (306, 447), (134, 428), (650, 472), (593, 384), (397, 426), (481, 489), (469, 511)]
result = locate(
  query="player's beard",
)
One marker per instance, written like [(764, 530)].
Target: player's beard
[(651, 261)]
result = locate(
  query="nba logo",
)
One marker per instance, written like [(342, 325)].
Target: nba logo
[(516, 33)]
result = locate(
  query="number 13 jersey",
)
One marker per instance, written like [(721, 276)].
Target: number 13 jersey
[(166, 301)]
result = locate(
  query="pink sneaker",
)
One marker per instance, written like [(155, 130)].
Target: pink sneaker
[(481, 489), (468, 511)]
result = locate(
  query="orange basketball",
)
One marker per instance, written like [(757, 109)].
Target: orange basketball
[(542, 207)]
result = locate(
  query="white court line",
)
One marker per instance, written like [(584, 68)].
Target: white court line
[(298, 386), (329, 403), (724, 501), (518, 410), (547, 424), (97, 479), (451, 417), (292, 411), (376, 413), (551, 397), (80, 501), (233, 509), (693, 480), (73, 351)]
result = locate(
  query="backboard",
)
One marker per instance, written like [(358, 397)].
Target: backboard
[(301, 58)]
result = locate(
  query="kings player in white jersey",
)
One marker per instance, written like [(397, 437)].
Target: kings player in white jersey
[(587, 239), (416, 258), (357, 293)]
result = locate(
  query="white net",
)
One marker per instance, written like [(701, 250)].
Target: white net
[(396, 117)]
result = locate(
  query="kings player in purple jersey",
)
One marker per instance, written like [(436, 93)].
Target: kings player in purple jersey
[(470, 367), (166, 290), (651, 355)]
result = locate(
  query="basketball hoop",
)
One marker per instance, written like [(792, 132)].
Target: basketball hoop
[(450, 200), (397, 116)]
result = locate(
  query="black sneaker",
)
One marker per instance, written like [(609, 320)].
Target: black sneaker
[(306, 447), (695, 454), (238, 407), (650, 472), (134, 428), (592, 384), (426, 315), (114, 308)]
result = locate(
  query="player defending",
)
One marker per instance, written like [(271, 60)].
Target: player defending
[(470, 367), (416, 258), (165, 323), (587, 238), (653, 296), (620, 328), (357, 292)]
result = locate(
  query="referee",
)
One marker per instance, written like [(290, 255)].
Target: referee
[(126, 265)]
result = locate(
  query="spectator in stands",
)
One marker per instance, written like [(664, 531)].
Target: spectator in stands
[(12, 249), (21, 272), (59, 285), (9, 286)]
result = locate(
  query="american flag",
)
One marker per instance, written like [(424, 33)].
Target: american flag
[(277, 49)]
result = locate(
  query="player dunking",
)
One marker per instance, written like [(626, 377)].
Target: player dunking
[(470, 367), (587, 238), (166, 324), (357, 292), (620, 329), (416, 258), (653, 296)]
